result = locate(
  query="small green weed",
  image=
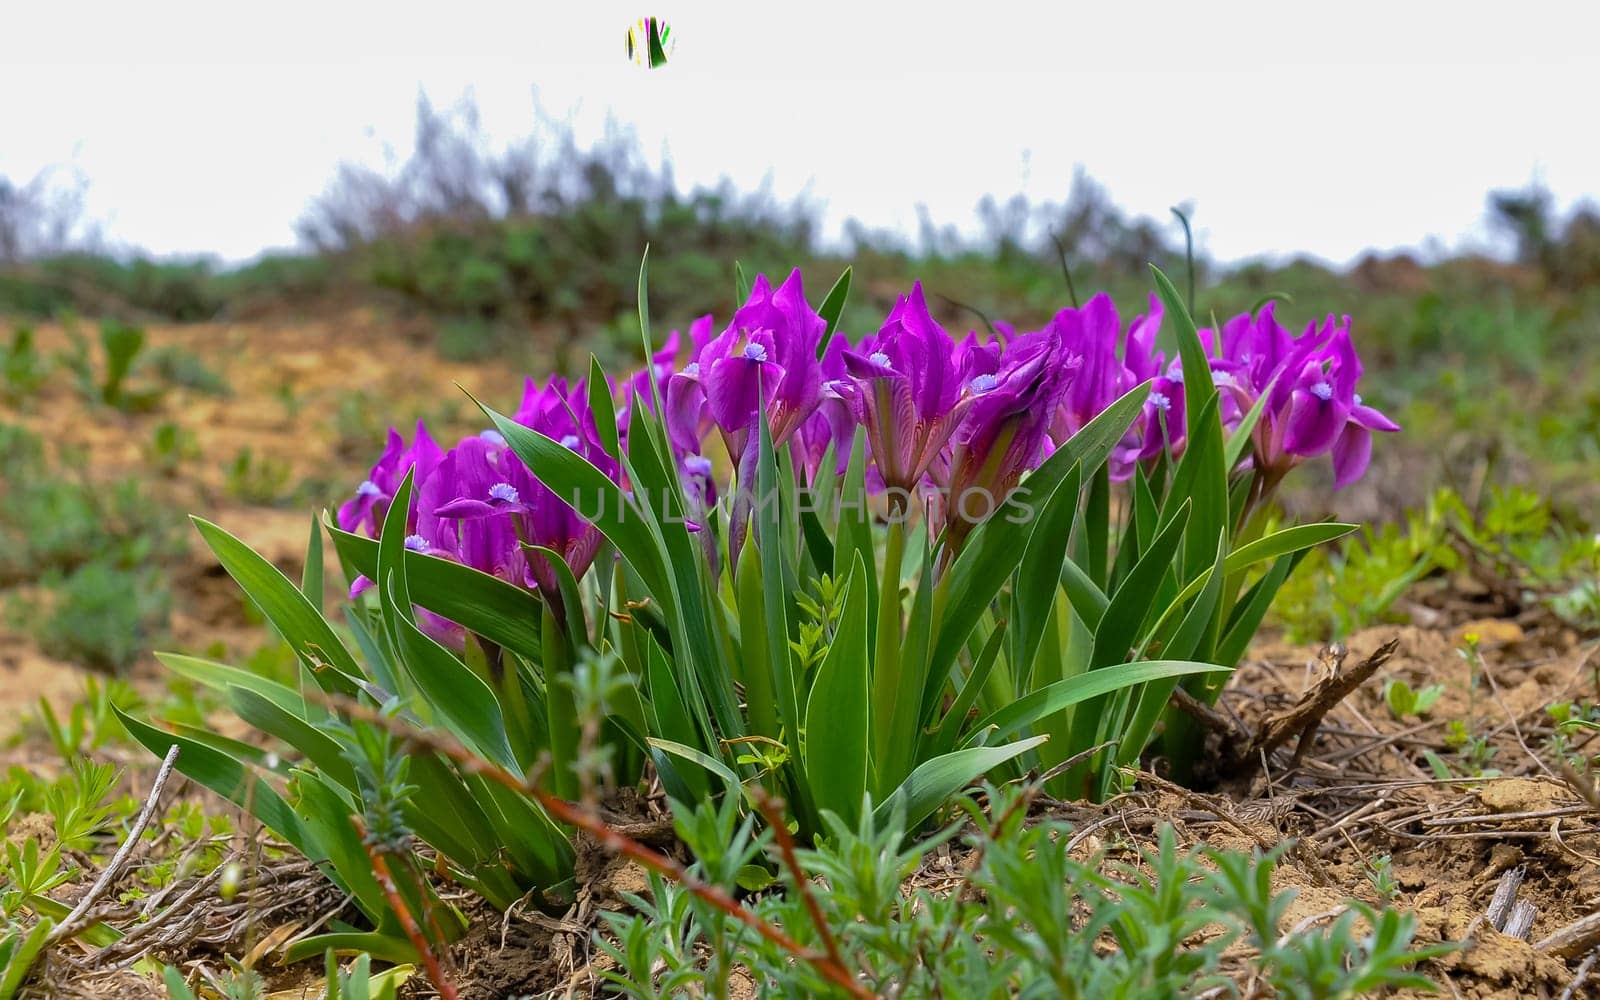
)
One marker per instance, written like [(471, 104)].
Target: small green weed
[(101, 615), (1404, 702), (23, 368), (171, 446), (176, 366), (261, 480)]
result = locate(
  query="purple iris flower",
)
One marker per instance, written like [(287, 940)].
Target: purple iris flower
[(974, 357), (1139, 355), (1352, 450), (1108, 364), (768, 352), (485, 502), (687, 418), (834, 422), (1091, 333), (1132, 362), (1322, 392), (908, 392), (686, 424), (543, 406), (1327, 415), (370, 504), (1312, 406), (554, 521), (1005, 432), (465, 510)]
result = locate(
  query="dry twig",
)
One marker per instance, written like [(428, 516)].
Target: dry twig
[(1580, 976), (1207, 803), (1575, 939), (75, 921), (376, 856), (1301, 721), (772, 811)]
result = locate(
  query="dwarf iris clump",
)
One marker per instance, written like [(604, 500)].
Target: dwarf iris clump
[(841, 570)]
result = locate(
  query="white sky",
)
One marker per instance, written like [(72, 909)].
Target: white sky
[(1327, 128)]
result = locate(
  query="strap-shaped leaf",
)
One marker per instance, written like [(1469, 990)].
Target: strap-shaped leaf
[(855, 526), (1290, 540), (229, 778), (327, 813), (446, 814), (1197, 385), (1052, 698), (1201, 481), (482, 604), (540, 848), (1038, 577), (831, 308), (837, 718), (1118, 629), (673, 722), (644, 325), (567, 584), (1087, 600), (950, 724), (766, 715), (291, 614), (936, 781), (766, 535), (223, 678), (1197, 631), (572, 478), (712, 765), (462, 701), (688, 598), (383, 947), (1248, 613), (20, 948), (311, 573), (602, 409), (312, 743)]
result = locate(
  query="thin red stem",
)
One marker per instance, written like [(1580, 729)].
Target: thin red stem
[(772, 810), (419, 941)]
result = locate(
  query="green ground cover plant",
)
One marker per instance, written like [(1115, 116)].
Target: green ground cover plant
[(1508, 539), (1171, 915)]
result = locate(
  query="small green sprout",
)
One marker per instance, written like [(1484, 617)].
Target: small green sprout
[(1380, 872), (1405, 702)]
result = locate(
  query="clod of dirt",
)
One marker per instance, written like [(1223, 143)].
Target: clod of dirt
[(1516, 795), (1491, 632), (33, 826)]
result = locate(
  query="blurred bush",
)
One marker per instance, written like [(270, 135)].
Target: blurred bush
[(85, 562), (1566, 252), (542, 231)]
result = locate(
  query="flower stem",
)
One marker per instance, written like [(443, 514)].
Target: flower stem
[(561, 707), (886, 663)]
